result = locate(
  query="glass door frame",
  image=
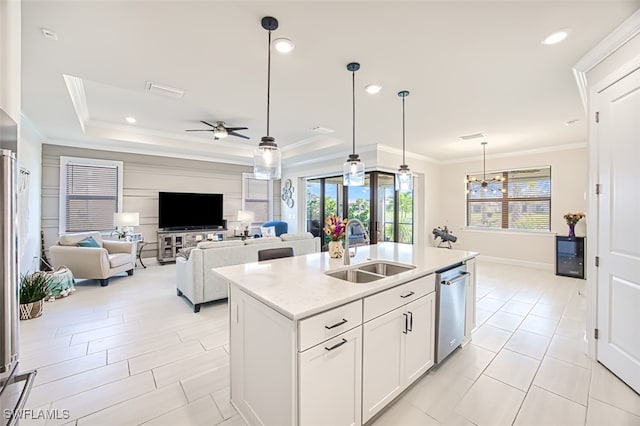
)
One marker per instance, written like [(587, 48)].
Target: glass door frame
[(373, 206)]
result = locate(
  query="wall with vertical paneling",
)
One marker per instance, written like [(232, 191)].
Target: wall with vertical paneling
[(144, 176)]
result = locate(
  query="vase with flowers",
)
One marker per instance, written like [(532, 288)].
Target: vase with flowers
[(334, 229), (572, 219)]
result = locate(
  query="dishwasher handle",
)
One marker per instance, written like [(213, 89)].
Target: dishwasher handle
[(462, 276)]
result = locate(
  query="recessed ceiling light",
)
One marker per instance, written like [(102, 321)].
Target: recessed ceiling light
[(130, 120), (283, 45), (372, 89), (50, 34), (556, 37)]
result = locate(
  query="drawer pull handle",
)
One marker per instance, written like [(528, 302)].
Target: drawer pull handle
[(337, 345), (338, 324), (406, 324), (410, 328), (411, 293)]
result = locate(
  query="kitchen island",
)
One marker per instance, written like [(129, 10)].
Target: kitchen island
[(309, 348)]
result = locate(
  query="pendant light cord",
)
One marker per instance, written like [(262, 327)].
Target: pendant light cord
[(353, 96), (403, 159), (484, 162), (268, 81)]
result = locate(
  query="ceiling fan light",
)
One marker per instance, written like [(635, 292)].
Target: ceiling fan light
[(353, 171), (267, 160), (283, 45), (220, 133), (404, 179)]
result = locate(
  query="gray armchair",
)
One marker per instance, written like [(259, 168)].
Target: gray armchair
[(101, 263)]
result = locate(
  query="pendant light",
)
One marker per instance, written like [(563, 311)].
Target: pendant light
[(353, 169), (404, 177), (485, 183), (267, 158)]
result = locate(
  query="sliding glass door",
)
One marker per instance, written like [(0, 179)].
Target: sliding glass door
[(386, 214)]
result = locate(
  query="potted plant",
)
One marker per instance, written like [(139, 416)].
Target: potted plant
[(34, 288)]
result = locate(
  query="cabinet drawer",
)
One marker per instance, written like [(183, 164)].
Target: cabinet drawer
[(390, 299), (326, 325)]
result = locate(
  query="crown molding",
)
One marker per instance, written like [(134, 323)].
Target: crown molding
[(565, 147), (27, 123), (611, 43)]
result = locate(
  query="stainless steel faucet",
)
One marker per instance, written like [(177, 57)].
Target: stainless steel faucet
[(346, 257)]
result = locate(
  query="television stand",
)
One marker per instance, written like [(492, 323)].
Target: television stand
[(170, 242)]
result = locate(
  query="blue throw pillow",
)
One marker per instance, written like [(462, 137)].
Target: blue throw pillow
[(88, 242)]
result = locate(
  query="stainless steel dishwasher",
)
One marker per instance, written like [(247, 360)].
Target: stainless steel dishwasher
[(451, 291)]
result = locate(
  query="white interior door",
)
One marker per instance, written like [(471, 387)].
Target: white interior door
[(618, 135)]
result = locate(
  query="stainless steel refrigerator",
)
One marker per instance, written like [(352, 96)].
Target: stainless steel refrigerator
[(14, 384)]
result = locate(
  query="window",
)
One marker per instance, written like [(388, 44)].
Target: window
[(521, 201), (257, 196), (90, 193)]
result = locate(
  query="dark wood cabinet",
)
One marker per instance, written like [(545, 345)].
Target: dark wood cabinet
[(570, 256)]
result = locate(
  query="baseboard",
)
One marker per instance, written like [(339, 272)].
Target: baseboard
[(517, 262)]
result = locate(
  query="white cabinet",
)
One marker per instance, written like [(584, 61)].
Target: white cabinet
[(398, 347), (330, 381), (420, 339)]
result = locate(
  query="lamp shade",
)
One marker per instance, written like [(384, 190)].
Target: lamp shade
[(404, 179), (126, 219), (246, 216), (267, 160), (353, 172)]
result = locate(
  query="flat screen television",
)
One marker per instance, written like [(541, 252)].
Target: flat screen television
[(185, 210)]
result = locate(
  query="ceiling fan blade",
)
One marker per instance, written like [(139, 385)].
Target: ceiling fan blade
[(200, 130), (238, 135), (208, 124), (233, 129)]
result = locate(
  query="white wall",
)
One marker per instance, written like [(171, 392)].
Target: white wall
[(30, 198), (144, 176), (568, 194)]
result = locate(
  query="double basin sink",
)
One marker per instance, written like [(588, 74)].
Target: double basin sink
[(369, 272)]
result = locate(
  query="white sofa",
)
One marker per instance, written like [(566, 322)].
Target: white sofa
[(196, 281)]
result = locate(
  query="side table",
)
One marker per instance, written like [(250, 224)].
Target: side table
[(141, 245)]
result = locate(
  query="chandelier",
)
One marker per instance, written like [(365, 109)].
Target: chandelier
[(484, 183)]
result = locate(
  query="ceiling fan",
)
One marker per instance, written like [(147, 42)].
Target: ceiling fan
[(220, 131)]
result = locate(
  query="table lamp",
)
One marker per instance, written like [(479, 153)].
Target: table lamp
[(246, 218), (125, 221)]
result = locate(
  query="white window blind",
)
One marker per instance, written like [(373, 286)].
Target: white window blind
[(522, 201), (91, 192), (257, 196)]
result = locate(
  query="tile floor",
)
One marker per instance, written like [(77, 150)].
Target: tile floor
[(134, 353)]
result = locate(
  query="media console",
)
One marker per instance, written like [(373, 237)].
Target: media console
[(170, 242)]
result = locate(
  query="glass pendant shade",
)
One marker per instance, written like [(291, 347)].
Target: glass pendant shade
[(353, 171), (267, 160), (404, 179)]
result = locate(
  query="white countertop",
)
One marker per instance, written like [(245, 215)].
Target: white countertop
[(297, 287)]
